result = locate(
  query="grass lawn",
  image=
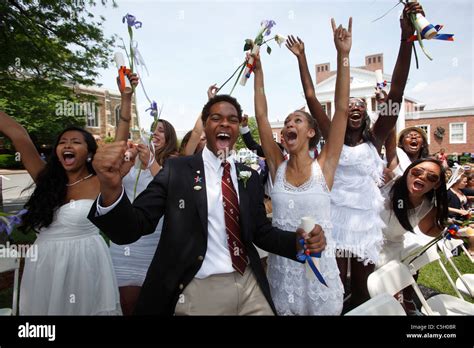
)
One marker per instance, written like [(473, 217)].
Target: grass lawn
[(433, 277)]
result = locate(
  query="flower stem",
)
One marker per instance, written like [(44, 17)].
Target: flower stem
[(230, 77), (237, 79)]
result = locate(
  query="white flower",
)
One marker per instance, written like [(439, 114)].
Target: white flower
[(244, 176), (280, 39)]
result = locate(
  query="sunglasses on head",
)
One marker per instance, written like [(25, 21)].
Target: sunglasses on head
[(419, 171)]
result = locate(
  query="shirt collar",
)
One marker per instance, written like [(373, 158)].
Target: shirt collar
[(214, 161)]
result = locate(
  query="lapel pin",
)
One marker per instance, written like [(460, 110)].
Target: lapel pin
[(197, 188)]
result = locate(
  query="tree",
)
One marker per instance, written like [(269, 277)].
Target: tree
[(253, 130), (47, 47)]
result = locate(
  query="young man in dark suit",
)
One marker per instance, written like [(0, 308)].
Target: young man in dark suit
[(206, 261)]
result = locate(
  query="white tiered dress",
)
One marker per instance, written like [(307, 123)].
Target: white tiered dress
[(292, 292), (68, 270), (356, 202)]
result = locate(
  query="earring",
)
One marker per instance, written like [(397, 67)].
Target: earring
[(435, 203), (89, 159)]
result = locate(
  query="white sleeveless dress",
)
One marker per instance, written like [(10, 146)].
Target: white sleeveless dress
[(394, 233), (292, 292), (356, 202), (69, 270), (131, 261)]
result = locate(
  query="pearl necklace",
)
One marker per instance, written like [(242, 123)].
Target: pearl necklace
[(80, 180)]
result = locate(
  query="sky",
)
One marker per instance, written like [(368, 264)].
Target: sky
[(189, 45)]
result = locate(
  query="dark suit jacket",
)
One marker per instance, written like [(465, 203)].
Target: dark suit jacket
[(183, 241)]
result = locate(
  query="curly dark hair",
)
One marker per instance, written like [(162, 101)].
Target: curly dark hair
[(50, 192), (424, 150), (399, 194), (217, 99)]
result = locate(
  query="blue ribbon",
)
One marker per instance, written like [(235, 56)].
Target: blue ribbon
[(301, 256)]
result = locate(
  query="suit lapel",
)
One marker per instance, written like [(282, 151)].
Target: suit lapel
[(199, 194), (243, 202)]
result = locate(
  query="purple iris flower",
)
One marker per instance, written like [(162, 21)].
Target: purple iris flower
[(268, 24), (131, 21), (261, 164), (153, 109)]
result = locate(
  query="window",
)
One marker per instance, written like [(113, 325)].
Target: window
[(117, 114), (426, 129), (92, 116), (374, 104), (369, 60), (318, 69), (327, 68), (379, 59), (324, 107), (457, 133), (275, 136), (328, 108)]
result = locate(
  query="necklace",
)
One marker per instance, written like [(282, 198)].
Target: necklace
[(78, 181)]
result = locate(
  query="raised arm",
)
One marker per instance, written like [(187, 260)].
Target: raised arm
[(249, 141), (271, 150), (23, 144), (198, 129), (296, 46), (389, 111), (123, 127), (329, 157)]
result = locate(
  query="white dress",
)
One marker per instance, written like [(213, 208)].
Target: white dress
[(292, 292), (394, 233), (356, 202), (131, 261), (69, 271)]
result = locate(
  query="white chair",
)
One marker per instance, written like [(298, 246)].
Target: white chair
[(432, 255), (391, 278), (395, 276), (8, 264), (382, 304), (465, 282)]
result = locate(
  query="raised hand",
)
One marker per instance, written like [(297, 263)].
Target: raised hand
[(145, 155), (342, 37), (110, 166), (296, 46), (245, 121), (405, 23), (212, 91), (133, 81)]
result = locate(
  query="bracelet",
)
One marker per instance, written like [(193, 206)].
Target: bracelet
[(124, 119)]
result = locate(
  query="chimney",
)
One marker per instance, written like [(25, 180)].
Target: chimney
[(323, 71), (374, 62)]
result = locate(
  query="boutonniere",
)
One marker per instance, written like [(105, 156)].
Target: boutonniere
[(197, 181), (244, 176)]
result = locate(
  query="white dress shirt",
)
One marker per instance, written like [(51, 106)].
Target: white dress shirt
[(217, 259)]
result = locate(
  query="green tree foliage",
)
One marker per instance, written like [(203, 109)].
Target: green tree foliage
[(253, 130), (47, 47)]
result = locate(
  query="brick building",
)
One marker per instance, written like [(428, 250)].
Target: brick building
[(102, 122), (451, 129), (362, 86)]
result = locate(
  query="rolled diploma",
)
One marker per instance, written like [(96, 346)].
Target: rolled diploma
[(423, 23), (379, 81), (120, 62), (244, 78), (307, 224)]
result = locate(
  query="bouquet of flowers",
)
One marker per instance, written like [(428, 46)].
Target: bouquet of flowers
[(254, 47)]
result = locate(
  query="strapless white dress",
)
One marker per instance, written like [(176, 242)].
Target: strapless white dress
[(70, 272)]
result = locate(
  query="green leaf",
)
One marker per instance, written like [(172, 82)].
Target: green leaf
[(269, 50)]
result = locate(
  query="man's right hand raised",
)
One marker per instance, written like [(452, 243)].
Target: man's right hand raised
[(110, 166)]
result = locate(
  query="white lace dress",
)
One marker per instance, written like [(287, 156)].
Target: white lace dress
[(356, 202), (292, 292), (68, 270)]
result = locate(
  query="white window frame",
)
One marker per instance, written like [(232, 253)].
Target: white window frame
[(275, 136), (463, 141), (97, 115), (428, 130)]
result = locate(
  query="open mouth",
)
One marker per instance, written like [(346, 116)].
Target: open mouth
[(69, 158), (223, 140), (290, 137), (355, 116), (418, 185)]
